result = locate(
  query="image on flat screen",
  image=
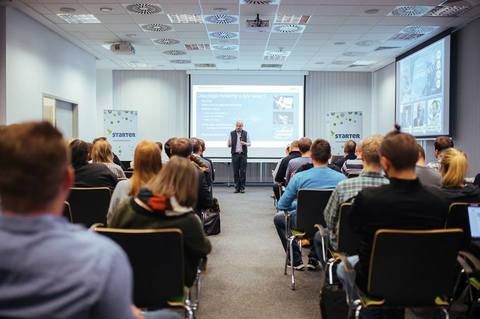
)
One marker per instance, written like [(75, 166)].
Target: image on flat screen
[(422, 92), (273, 114)]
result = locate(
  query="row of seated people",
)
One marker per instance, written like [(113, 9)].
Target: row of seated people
[(387, 194), (56, 269)]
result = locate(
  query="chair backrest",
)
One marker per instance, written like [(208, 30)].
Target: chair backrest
[(89, 205), (348, 240), (458, 218), (128, 173), (67, 211), (310, 206), (413, 267), (156, 256)]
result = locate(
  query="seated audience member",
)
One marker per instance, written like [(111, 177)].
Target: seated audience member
[(277, 186), (183, 148), (349, 150), (371, 176), (318, 177), (304, 145), (353, 167), (477, 180), (102, 154), (402, 204), (441, 144), (427, 175), (160, 146), (148, 162), (282, 168), (197, 155), (54, 269), (168, 146), (167, 202), (212, 169), (116, 160), (453, 168), (89, 175)]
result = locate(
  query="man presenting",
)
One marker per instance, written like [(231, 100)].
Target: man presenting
[(238, 141)]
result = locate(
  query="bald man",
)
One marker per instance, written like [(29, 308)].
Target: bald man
[(238, 141)]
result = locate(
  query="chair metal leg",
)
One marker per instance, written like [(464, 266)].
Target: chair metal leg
[(324, 251), (287, 238), (446, 313), (188, 311), (357, 310), (290, 246)]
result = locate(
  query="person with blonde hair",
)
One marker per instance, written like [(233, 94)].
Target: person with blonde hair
[(148, 162), (167, 201), (453, 168), (102, 153)]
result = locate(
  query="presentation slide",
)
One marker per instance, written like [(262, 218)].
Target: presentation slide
[(422, 90), (273, 115)]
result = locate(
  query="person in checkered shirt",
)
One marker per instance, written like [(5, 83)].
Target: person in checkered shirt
[(371, 176)]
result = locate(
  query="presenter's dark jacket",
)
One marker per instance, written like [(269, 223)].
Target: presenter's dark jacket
[(402, 204), (233, 139), (282, 168), (149, 210)]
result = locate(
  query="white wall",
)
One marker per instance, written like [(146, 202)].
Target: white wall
[(2, 66), (41, 62), (104, 96), (335, 92), (383, 102), (161, 99)]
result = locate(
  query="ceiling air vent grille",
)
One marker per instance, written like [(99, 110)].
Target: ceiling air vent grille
[(292, 19), (406, 36), (260, 2), (223, 35), (144, 8), (410, 11), (221, 19), (288, 28), (180, 61), (156, 27), (271, 65), (166, 41), (205, 65), (197, 47), (225, 47), (174, 52)]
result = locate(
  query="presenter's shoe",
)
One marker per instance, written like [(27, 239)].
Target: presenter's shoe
[(242, 191), (237, 191)]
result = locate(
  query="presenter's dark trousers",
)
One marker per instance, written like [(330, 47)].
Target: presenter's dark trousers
[(239, 163)]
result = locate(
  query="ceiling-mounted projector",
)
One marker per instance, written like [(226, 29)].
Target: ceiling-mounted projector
[(123, 48), (257, 24)]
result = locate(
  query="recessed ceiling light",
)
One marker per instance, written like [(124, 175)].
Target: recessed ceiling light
[(352, 53), (363, 63), (342, 62), (78, 18), (339, 43), (67, 10), (185, 18), (156, 27), (106, 9), (372, 11), (180, 61)]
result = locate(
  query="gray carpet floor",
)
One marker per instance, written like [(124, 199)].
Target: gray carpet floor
[(244, 277)]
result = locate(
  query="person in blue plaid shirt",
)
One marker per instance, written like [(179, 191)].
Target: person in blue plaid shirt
[(346, 190)]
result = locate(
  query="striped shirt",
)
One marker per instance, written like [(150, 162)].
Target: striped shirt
[(352, 167), (345, 192), (294, 165)]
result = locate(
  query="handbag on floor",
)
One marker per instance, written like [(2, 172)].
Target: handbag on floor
[(333, 301), (211, 219)]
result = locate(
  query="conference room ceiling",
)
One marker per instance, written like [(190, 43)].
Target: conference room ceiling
[(307, 35)]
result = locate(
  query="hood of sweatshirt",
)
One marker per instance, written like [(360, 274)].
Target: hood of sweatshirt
[(148, 203)]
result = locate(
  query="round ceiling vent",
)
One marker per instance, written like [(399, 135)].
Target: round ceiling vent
[(144, 8), (288, 28), (410, 11), (419, 29), (180, 61), (225, 47), (174, 52), (156, 27), (221, 19), (223, 35), (226, 57), (166, 41), (220, 10), (259, 2)]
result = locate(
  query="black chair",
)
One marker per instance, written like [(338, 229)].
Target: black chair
[(67, 211), (458, 218), (89, 205), (157, 260), (348, 240), (310, 206), (128, 173), (412, 268)]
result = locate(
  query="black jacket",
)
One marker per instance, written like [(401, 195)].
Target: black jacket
[(402, 204), (94, 175), (339, 163), (469, 194), (282, 168)]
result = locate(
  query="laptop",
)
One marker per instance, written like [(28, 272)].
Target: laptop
[(474, 221)]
